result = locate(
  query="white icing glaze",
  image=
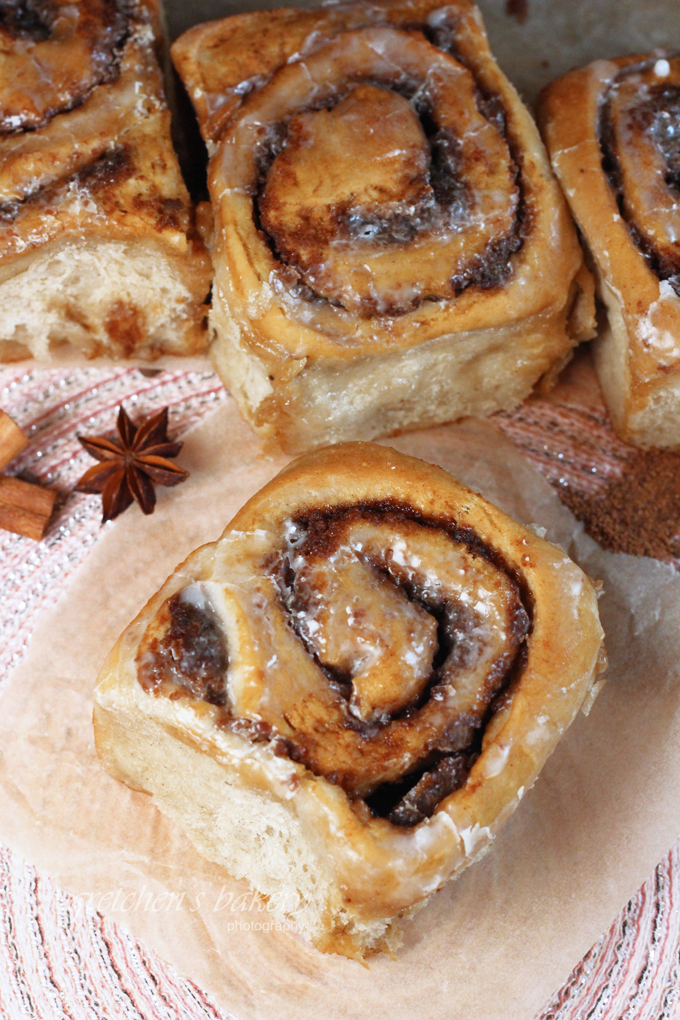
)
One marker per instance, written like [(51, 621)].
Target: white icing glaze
[(361, 268), (652, 330)]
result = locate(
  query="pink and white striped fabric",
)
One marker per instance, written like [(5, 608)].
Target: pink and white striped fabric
[(59, 958)]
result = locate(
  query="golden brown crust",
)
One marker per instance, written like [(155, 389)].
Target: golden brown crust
[(451, 238), (92, 164), (222, 61), (600, 155), (344, 546)]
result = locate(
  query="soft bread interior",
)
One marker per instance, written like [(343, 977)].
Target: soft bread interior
[(102, 297), (454, 376), (238, 825), (652, 421)]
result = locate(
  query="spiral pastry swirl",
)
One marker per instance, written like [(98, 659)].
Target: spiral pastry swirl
[(639, 135), (377, 186), (377, 649), (612, 129), (403, 179)]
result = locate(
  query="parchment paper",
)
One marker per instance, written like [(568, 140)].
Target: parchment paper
[(494, 944)]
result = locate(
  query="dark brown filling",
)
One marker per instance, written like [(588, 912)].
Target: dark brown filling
[(446, 764), (27, 19), (111, 168), (657, 116), (320, 528), (667, 131), (417, 796), (388, 226), (189, 654)]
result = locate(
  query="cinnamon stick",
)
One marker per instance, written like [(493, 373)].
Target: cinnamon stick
[(25, 508), (12, 440)]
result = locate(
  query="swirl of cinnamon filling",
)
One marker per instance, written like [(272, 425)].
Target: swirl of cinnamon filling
[(401, 633), (345, 697), (52, 54), (372, 643), (379, 176), (412, 634), (640, 139)]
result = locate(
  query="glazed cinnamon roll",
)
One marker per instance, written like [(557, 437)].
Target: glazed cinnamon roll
[(344, 698), (612, 129), (97, 242), (390, 247)]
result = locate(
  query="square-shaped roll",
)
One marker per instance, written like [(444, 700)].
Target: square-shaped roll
[(345, 697), (390, 247), (612, 131), (98, 249)]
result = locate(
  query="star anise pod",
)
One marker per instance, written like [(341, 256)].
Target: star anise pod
[(131, 465)]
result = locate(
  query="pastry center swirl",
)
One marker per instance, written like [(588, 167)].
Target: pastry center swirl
[(384, 642), (380, 176), (52, 54), (416, 633), (640, 137)]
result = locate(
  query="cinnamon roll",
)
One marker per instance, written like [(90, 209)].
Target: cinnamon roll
[(612, 129), (390, 247), (97, 242), (344, 698)]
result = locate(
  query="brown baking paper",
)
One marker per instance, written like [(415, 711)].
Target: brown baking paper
[(495, 943)]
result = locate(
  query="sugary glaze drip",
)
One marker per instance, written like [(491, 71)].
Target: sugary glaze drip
[(406, 633), (381, 173), (52, 54), (640, 137)]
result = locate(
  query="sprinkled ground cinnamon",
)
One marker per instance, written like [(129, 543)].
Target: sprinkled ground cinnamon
[(638, 512), (628, 499)]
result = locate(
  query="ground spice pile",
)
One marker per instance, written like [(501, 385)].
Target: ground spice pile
[(628, 499), (638, 512)]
